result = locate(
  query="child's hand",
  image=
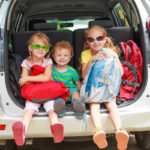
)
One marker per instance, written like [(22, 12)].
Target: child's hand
[(51, 78), (99, 56), (110, 53), (23, 80), (78, 83)]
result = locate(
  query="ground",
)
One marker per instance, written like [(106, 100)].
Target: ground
[(47, 144)]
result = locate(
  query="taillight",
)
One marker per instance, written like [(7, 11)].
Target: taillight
[(2, 126), (148, 24)]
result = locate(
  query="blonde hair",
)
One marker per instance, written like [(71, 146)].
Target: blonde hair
[(108, 44), (65, 45), (41, 36)]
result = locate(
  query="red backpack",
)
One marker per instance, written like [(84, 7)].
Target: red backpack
[(132, 64)]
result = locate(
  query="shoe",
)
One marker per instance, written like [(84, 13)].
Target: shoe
[(122, 138), (59, 106), (57, 130), (79, 108), (99, 138), (79, 116), (18, 129), (60, 115)]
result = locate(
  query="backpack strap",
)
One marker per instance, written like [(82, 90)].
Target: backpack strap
[(134, 70), (131, 83)]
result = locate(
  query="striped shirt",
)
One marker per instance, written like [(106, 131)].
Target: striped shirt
[(68, 77)]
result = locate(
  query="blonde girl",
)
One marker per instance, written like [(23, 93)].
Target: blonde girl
[(38, 47), (96, 62)]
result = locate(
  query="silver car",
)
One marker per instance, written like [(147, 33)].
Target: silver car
[(67, 20)]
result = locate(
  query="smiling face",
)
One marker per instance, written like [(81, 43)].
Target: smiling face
[(37, 47), (62, 56), (96, 39)]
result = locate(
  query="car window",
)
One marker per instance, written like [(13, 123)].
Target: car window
[(134, 21), (71, 25), (148, 3), (17, 19), (1, 1), (120, 15)]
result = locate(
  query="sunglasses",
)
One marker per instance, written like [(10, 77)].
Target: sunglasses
[(99, 38), (43, 47)]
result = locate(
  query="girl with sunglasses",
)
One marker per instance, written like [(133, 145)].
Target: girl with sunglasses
[(38, 47), (102, 71)]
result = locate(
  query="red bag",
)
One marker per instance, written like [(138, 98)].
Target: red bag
[(39, 92), (132, 64)]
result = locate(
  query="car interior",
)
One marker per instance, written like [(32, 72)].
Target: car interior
[(66, 21)]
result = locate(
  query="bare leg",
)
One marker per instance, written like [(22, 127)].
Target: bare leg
[(52, 116), (95, 114), (57, 128), (20, 127), (99, 136), (122, 136), (114, 113), (27, 117)]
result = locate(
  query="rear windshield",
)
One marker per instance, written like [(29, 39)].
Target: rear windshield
[(71, 25)]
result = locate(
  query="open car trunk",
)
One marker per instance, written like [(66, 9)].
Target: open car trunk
[(29, 18)]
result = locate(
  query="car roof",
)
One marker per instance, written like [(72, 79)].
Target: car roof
[(52, 6)]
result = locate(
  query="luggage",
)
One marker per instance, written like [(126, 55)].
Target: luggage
[(132, 64), (14, 76)]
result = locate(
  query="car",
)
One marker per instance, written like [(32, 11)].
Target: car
[(67, 20)]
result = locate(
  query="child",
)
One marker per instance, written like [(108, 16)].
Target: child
[(62, 55), (38, 46), (101, 84)]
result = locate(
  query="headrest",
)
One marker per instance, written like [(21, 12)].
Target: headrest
[(45, 26), (103, 23), (34, 21)]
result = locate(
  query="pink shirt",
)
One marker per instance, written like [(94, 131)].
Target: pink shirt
[(28, 64)]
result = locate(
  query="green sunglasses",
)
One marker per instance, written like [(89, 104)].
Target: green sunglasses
[(43, 47)]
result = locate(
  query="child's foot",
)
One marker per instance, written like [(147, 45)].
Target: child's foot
[(122, 138), (19, 132), (79, 108), (99, 138), (59, 106), (57, 130)]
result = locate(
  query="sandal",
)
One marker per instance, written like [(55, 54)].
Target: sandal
[(18, 129), (57, 130), (122, 138), (99, 138)]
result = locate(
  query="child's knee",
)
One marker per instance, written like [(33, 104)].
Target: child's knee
[(110, 105)]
